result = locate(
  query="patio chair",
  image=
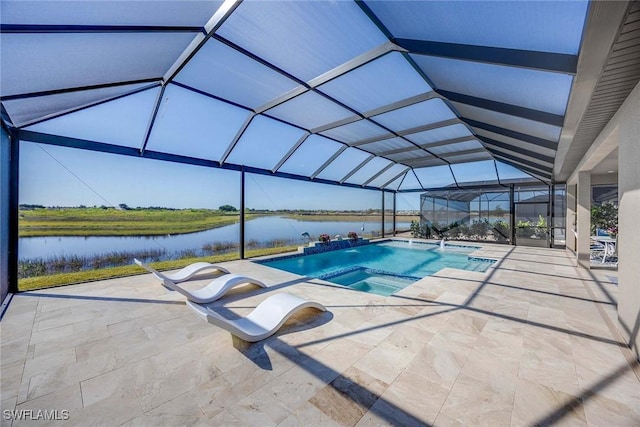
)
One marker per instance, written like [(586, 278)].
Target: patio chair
[(597, 251), (211, 292), (214, 290), (263, 321), (611, 254), (604, 253), (185, 274)]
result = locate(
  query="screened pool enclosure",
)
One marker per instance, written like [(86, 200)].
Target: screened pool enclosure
[(385, 96), (529, 215)]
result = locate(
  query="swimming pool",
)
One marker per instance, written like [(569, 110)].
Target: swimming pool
[(382, 268)]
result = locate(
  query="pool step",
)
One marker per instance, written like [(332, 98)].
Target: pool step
[(372, 281), (474, 265)]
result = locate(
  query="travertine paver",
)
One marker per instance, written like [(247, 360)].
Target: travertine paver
[(531, 341)]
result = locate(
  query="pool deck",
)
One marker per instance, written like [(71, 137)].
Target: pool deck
[(532, 341)]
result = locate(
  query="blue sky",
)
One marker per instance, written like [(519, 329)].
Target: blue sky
[(58, 176)]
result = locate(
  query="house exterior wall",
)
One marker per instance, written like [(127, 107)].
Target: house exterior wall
[(628, 122), (583, 223), (623, 132)]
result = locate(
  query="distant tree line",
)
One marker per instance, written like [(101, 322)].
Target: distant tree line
[(223, 208)]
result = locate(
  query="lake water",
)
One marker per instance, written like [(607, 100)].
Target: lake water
[(262, 229)]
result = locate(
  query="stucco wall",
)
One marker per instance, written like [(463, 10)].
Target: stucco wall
[(628, 121)]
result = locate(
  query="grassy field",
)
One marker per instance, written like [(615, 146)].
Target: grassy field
[(150, 222), (40, 282), (117, 222)]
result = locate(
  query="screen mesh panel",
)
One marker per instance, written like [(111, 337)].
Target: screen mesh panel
[(354, 88), (194, 125), (222, 71), (264, 143), (541, 26), (41, 62), (310, 155), (309, 37), (131, 113), (343, 164)]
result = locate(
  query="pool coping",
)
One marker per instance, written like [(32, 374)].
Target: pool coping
[(301, 253)]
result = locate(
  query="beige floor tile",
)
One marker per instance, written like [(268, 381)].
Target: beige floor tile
[(438, 365), (228, 389), (67, 398), (103, 412), (536, 404), (554, 372), (337, 357), (409, 338), (308, 415), (476, 402), (116, 382), (148, 420), (601, 411), (385, 362), (14, 351), (8, 404), (410, 400), (512, 346), (348, 397), (10, 379)]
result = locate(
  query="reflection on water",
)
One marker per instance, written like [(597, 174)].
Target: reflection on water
[(259, 229)]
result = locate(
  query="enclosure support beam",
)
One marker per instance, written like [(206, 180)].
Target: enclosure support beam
[(395, 231), (242, 214), (382, 233), (551, 214), (14, 173), (8, 213), (13, 205), (512, 216)]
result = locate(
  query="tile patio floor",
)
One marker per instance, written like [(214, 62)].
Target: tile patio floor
[(529, 342)]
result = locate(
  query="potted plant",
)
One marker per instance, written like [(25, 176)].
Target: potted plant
[(324, 238), (353, 235)]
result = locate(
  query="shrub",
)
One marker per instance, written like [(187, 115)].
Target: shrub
[(353, 235), (463, 231), (324, 238), (479, 228), (523, 229), (501, 231), (604, 217), (541, 228), (421, 231)]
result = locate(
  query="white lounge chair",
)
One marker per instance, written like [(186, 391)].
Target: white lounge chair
[(211, 292), (263, 321), (214, 290), (185, 274)]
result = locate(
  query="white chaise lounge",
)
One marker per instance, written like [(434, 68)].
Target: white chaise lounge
[(211, 292), (263, 321), (215, 289), (185, 274)]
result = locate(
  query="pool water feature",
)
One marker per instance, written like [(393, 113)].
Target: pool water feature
[(382, 268)]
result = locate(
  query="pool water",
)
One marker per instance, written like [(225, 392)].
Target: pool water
[(382, 268), (371, 281)]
